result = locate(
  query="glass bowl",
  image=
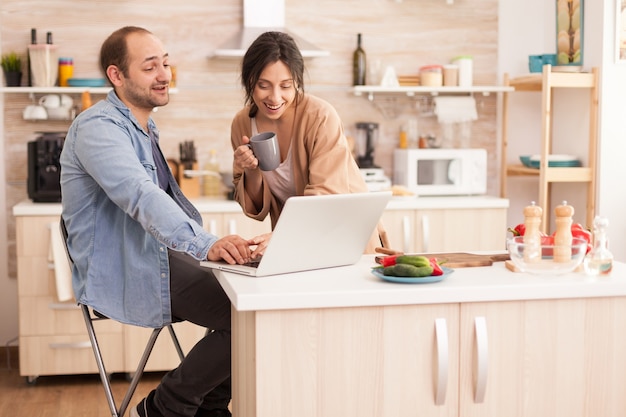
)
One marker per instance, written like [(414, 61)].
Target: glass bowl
[(543, 260)]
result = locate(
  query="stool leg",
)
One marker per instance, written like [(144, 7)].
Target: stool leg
[(140, 368), (96, 351), (179, 350)]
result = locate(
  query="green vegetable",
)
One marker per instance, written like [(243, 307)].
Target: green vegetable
[(415, 260), (406, 270)]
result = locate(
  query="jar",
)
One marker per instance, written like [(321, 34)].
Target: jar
[(66, 71), (450, 75), (465, 64), (431, 76)]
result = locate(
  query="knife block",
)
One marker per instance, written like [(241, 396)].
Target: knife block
[(190, 186)]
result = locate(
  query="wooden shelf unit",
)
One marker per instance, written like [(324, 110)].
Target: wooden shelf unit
[(544, 83)]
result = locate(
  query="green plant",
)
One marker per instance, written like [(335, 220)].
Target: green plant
[(11, 62)]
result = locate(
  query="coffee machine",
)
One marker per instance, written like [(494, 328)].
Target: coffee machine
[(44, 167), (374, 175)]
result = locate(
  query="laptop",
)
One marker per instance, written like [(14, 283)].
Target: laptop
[(315, 232)]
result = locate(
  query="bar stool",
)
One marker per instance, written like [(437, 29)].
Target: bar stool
[(90, 316)]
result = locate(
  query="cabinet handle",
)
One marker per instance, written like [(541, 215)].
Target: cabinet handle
[(425, 233), (75, 345), (232, 227), (213, 227), (441, 334), (406, 228), (481, 359)]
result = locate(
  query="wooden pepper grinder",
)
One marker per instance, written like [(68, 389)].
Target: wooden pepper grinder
[(563, 235), (532, 235)]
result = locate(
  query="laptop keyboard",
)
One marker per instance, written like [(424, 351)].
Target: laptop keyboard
[(254, 263)]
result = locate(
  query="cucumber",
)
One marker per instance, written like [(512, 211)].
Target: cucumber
[(415, 260), (408, 271)]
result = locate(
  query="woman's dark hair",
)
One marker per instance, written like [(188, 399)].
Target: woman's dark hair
[(268, 48), (114, 50)]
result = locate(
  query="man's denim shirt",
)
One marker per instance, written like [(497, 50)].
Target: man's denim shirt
[(120, 223)]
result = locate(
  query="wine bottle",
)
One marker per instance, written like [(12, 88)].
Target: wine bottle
[(358, 64), (33, 41)]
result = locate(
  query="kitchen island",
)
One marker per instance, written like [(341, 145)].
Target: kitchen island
[(484, 342), (52, 337)]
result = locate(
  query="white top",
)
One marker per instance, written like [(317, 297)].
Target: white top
[(355, 285)]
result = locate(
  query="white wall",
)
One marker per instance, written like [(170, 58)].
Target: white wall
[(517, 40)]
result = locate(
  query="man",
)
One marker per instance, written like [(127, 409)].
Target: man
[(135, 239)]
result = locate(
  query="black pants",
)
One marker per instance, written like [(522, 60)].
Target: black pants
[(202, 380)]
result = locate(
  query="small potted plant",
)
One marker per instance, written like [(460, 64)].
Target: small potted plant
[(12, 68)]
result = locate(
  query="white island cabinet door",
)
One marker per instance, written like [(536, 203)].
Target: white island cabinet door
[(396, 361), (561, 358)]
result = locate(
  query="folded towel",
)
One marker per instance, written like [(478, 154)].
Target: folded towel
[(455, 109), (58, 257)]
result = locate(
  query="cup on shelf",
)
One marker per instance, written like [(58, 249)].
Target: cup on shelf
[(35, 112)]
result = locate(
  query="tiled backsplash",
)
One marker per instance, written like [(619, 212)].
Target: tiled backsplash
[(405, 34)]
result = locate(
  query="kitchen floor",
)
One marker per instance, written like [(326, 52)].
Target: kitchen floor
[(61, 396)]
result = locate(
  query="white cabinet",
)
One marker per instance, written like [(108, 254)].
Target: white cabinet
[(222, 224), (562, 358), (52, 335), (446, 230), (545, 358)]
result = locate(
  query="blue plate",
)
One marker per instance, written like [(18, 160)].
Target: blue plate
[(557, 162), (413, 280), (86, 82)]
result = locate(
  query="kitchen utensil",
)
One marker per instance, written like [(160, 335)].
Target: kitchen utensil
[(266, 150), (413, 280), (366, 139), (533, 161), (86, 82), (545, 263), (457, 259), (34, 112)]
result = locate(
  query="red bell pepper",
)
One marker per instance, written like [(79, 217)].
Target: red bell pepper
[(580, 232), (436, 267), (389, 260), (519, 230)]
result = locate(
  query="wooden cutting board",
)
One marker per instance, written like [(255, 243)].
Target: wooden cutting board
[(465, 260)]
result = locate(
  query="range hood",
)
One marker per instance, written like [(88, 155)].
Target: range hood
[(259, 17)]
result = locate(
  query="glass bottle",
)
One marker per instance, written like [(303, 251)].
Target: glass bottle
[(358, 64), (211, 183), (599, 261)]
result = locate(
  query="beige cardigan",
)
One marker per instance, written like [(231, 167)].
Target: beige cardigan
[(322, 162)]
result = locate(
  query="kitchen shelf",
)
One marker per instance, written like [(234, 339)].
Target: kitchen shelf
[(411, 91), (544, 83), (60, 90)]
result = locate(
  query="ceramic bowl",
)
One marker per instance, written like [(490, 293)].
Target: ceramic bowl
[(541, 260)]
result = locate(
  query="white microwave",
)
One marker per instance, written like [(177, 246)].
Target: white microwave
[(441, 171)]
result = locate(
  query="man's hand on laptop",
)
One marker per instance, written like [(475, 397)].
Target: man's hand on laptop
[(261, 242), (232, 249)]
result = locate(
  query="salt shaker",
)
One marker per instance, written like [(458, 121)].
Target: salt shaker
[(563, 234), (532, 235), (599, 261)]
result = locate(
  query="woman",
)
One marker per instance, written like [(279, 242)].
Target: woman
[(314, 152)]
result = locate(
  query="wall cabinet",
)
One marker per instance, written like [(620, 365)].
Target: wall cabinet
[(489, 359), (546, 83), (446, 230)]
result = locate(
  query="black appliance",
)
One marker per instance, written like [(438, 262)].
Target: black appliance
[(44, 168)]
